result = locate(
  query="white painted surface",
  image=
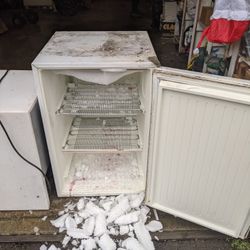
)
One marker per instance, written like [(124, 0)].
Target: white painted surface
[(125, 49), (2, 72), (200, 156), (51, 88), (22, 186), (17, 93)]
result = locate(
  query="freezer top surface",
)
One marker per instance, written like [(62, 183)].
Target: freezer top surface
[(17, 91), (97, 49)]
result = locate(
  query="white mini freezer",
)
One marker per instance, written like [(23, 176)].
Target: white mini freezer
[(115, 123), (22, 187)]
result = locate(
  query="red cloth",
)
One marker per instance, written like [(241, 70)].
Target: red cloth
[(224, 31)]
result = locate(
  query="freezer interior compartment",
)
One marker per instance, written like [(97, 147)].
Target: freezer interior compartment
[(110, 134), (64, 133), (104, 174), (93, 100)]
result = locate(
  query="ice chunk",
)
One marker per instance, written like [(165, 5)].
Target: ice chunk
[(144, 212), (61, 213), (156, 238), (70, 207), (128, 218), (78, 219), (77, 233), (59, 222), (80, 204), (107, 205), (131, 234), (61, 229), (66, 240), (43, 247), (113, 231), (120, 197), (106, 243), (53, 247), (132, 244), (156, 214), (136, 200), (143, 236), (67, 204), (84, 214), (89, 225), (100, 225), (36, 230), (93, 209), (121, 208), (124, 230), (89, 244), (70, 223), (75, 243), (154, 226), (44, 218)]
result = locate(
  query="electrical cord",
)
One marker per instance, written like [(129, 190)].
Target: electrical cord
[(30, 163), (5, 74), (17, 152)]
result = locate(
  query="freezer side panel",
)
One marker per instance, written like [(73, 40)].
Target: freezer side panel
[(39, 136), (199, 166), (50, 89), (22, 186)]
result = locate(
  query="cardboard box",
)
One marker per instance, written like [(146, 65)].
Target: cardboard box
[(206, 13)]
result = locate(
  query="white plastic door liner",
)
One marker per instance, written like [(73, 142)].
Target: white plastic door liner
[(199, 163)]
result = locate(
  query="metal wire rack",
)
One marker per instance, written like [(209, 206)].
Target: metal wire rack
[(94, 100), (100, 134)]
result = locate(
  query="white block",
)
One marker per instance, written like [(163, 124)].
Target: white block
[(22, 186)]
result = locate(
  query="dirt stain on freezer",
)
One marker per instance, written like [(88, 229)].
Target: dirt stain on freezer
[(90, 44)]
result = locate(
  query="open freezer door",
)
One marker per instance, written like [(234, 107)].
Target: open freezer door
[(199, 160)]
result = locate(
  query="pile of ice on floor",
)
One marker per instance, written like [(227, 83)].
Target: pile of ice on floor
[(97, 223)]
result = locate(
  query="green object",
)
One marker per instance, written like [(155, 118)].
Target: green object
[(216, 64), (240, 245)]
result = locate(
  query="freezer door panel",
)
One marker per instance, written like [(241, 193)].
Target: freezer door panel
[(199, 161)]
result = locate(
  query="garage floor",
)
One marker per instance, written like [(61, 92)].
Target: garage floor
[(168, 245), (18, 48)]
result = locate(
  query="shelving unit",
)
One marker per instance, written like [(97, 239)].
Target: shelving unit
[(103, 137), (100, 134), (94, 100)]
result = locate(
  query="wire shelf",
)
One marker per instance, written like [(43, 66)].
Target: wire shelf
[(112, 134), (95, 100)]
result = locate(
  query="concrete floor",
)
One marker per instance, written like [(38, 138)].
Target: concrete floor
[(18, 48), (168, 245)]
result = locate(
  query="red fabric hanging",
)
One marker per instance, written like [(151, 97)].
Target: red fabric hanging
[(230, 19), (224, 31)]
